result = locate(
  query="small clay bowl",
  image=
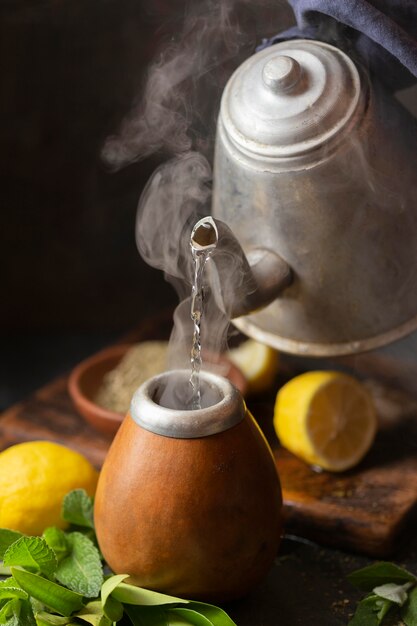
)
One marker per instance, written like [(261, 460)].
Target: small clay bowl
[(86, 378)]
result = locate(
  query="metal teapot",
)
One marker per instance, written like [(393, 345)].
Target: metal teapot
[(315, 190)]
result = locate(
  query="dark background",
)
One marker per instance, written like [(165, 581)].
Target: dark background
[(71, 277)]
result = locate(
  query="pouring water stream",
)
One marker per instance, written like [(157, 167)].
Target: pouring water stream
[(204, 238)]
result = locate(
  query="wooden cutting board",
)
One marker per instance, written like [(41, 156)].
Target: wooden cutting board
[(369, 509)]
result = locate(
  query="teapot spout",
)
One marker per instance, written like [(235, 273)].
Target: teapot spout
[(241, 283)]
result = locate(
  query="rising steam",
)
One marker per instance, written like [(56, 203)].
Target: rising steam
[(176, 115)]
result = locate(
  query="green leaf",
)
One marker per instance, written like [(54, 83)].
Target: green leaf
[(6, 611), (130, 594), (8, 582), (47, 619), (112, 607), (380, 574), (409, 610), (93, 614), (57, 598), (77, 508), (81, 570), (217, 616), (393, 593), (383, 606), (12, 592), (9, 610), (32, 553), (366, 613), (57, 541), (36, 606), (26, 613), (7, 537), (187, 616), (110, 584), (14, 621), (146, 615)]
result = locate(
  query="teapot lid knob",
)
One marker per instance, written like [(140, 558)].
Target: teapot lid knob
[(291, 99), (281, 73)]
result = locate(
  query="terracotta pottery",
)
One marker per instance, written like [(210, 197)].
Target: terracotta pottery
[(87, 377), (189, 501)]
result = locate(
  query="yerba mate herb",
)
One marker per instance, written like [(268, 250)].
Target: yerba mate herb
[(141, 362)]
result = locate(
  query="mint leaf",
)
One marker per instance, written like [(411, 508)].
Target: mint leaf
[(57, 598), (7, 537), (394, 593), (77, 508), (4, 571), (57, 541), (380, 574), (32, 553), (370, 612), (409, 610), (8, 610), (81, 570), (8, 582), (8, 593), (14, 621)]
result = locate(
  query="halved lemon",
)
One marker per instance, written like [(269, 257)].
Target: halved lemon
[(258, 363), (326, 418)]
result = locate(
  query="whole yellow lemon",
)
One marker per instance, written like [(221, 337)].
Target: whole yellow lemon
[(34, 478)]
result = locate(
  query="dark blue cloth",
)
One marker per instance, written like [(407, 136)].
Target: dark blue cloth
[(382, 34)]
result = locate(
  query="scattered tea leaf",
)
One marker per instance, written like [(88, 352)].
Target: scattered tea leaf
[(409, 610), (57, 541), (81, 570), (77, 508), (7, 537), (54, 596), (380, 574), (32, 553)]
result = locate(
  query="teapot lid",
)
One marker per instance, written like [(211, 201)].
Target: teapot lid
[(291, 98)]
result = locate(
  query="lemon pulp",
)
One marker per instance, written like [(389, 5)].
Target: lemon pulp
[(326, 418), (258, 363)]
